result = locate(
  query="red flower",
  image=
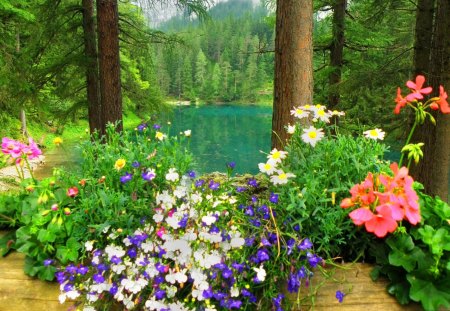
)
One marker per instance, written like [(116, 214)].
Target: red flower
[(417, 89), (442, 102), (72, 192), (381, 223), (400, 100)]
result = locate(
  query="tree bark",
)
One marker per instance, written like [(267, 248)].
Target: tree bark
[(92, 79), (109, 63), (336, 53), (432, 45), (293, 84)]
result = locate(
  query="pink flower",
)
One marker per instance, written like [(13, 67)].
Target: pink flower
[(161, 231), (33, 149), (72, 192), (12, 147), (361, 215), (417, 89), (381, 223)]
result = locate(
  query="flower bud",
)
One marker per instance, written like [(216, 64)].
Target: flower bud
[(67, 211), (54, 207)]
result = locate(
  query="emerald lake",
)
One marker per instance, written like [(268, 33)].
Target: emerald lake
[(225, 133)]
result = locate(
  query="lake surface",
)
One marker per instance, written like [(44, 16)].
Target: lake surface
[(225, 133)]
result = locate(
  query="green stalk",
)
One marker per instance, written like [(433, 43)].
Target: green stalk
[(407, 142)]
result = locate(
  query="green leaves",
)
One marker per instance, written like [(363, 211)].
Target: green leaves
[(438, 240), (69, 252), (431, 293)]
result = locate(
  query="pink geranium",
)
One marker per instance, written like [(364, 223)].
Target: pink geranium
[(12, 147), (417, 90), (382, 200)]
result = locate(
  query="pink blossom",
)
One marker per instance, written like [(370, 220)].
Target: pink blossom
[(417, 90)]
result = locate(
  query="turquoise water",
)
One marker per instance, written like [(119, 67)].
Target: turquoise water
[(225, 133)]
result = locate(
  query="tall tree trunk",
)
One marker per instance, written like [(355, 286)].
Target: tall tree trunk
[(336, 53), (92, 81), (293, 83), (430, 60), (109, 62), (23, 116), (438, 178)]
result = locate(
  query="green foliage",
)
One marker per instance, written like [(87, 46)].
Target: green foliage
[(324, 174), (53, 223), (417, 260)]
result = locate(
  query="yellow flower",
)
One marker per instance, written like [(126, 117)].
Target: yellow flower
[(57, 141), (160, 136), (120, 163)]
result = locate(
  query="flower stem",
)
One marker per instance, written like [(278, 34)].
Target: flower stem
[(407, 142), (276, 229)]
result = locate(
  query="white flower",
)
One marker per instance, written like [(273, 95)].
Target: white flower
[(260, 273), (112, 250), (277, 155), (89, 245), (236, 240), (234, 292), (88, 308), (187, 133), (180, 192), (209, 219), (152, 304), (158, 217), (375, 134), (160, 136), (172, 175), (299, 113), (290, 129), (322, 115), (338, 113), (312, 135), (281, 177), (268, 167)]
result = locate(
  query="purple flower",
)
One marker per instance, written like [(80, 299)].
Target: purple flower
[(208, 293), (191, 174), (199, 183), (132, 252), (233, 303), (301, 273), (340, 296), (231, 165), (160, 294), (249, 211), (277, 302), (148, 175), (227, 273), (313, 259), (296, 227), (83, 270), (290, 244), (135, 164), (114, 288), (60, 277), (240, 189), (68, 287), (183, 222), (255, 222), (71, 269), (48, 262), (160, 267), (158, 279), (98, 278), (213, 185), (142, 126), (156, 126), (305, 244), (219, 295), (252, 182), (262, 255), (293, 283), (102, 267), (239, 267), (273, 198), (126, 178), (249, 241), (116, 260)]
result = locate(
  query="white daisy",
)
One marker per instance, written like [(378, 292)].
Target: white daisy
[(312, 135), (321, 114), (281, 177), (299, 113), (268, 167), (277, 155), (375, 134)]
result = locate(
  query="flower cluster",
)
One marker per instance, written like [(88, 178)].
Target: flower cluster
[(200, 248), (277, 175), (318, 114), (18, 150), (416, 96), (383, 200)]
